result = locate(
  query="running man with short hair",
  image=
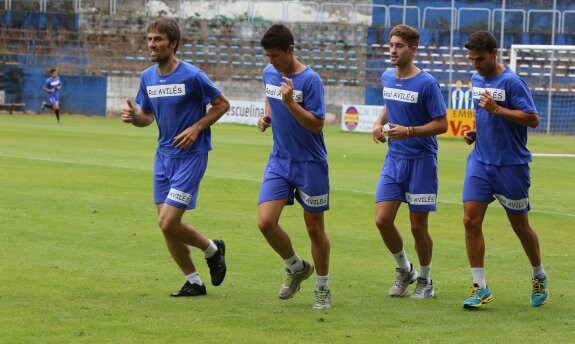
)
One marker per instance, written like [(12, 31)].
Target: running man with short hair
[(414, 113), (175, 94), (498, 166), (297, 166), (52, 87)]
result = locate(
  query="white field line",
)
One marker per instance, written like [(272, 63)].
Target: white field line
[(554, 155), (253, 180)]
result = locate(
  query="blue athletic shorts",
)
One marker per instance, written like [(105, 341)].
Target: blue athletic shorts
[(177, 180), (53, 98), (307, 181), (413, 181), (509, 184)]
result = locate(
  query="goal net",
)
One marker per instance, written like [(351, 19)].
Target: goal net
[(549, 70)]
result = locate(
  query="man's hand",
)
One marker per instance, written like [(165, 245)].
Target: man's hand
[(186, 138), (487, 102), (128, 113), (264, 122), (469, 136), (378, 134), (286, 90)]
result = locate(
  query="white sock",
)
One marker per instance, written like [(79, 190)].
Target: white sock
[(211, 250), (194, 278), (538, 271), (294, 264), (479, 277), (321, 282), (401, 260), (425, 272)]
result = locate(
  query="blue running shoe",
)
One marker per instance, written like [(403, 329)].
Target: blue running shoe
[(539, 293), (477, 297)]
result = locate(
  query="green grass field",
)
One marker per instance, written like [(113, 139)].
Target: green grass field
[(82, 259)]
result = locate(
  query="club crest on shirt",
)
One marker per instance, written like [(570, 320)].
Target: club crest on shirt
[(400, 95), (497, 93), (171, 90), (273, 91)]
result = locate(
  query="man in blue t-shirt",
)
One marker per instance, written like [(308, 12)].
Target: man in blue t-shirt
[(297, 167), (176, 94), (414, 113), (52, 86), (498, 166)]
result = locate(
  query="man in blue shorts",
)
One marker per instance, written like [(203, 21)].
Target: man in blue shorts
[(52, 86), (297, 167), (498, 165), (175, 94), (413, 114)]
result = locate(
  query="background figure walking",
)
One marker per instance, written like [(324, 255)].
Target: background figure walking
[(52, 87)]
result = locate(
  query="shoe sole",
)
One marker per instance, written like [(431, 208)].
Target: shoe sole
[(189, 295), (299, 285), (432, 295), (477, 306)]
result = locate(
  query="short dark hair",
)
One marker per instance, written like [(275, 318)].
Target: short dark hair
[(481, 41), (52, 70), (277, 36), (167, 26), (407, 33)]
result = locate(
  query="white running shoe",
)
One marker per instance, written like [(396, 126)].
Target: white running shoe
[(293, 281), (402, 281), (423, 290), (322, 298)]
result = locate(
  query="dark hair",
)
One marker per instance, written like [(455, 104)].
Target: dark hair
[(481, 41), (167, 26), (407, 33), (52, 70), (277, 36)]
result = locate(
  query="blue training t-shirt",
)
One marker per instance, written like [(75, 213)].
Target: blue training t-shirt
[(178, 100), (52, 84), (412, 102), (499, 141), (291, 139)]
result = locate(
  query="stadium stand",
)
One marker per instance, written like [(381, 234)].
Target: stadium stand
[(100, 44)]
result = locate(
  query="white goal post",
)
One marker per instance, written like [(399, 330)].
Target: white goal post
[(515, 48), (549, 70)]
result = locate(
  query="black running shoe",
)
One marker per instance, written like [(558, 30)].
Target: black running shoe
[(217, 263), (189, 289)]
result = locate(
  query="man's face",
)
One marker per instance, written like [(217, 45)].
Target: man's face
[(281, 60), (400, 53), (159, 46), (484, 62)]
